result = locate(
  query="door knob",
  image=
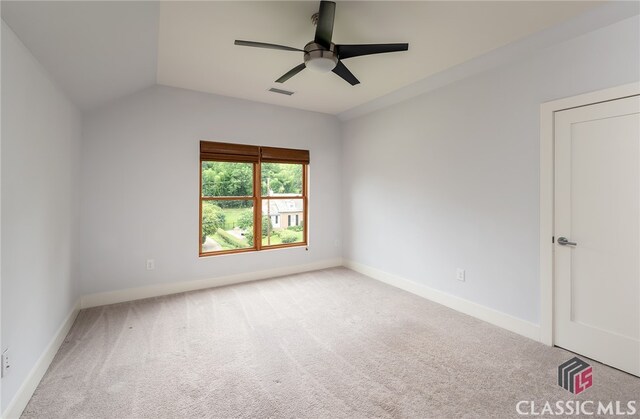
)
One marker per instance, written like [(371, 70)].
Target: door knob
[(562, 241)]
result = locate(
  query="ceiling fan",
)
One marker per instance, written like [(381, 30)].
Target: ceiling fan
[(321, 54)]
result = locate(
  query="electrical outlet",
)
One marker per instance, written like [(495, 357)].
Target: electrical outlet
[(5, 362), (151, 264), (460, 274)]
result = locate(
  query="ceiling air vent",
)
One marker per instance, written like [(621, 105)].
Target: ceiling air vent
[(282, 92)]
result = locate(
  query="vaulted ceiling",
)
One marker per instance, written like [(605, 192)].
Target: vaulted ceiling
[(98, 51)]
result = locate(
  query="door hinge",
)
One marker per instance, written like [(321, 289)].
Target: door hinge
[(553, 239)]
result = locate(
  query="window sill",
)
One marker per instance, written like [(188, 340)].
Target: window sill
[(253, 250)]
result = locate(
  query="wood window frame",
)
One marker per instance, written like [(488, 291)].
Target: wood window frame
[(256, 155)]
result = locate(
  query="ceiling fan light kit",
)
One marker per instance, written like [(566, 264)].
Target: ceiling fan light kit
[(318, 59), (322, 55)]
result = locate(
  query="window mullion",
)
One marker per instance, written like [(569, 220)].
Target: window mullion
[(257, 208)]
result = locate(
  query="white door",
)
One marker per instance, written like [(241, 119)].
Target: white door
[(597, 206)]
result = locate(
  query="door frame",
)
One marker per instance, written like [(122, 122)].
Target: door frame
[(547, 131)]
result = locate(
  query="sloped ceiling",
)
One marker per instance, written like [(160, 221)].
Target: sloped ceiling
[(99, 51)]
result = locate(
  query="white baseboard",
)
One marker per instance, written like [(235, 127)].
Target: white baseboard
[(489, 315), (131, 294), (24, 393)]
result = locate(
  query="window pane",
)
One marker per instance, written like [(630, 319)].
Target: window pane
[(282, 221), (281, 179), (226, 225), (227, 179)]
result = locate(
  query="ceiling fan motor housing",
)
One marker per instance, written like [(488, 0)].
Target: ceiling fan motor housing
[(320, 59)]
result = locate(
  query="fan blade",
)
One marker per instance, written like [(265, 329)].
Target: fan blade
[(349, 51), (324, 27), (291, 73), (344, 72), (264, 45)]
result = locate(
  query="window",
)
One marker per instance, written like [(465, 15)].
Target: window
[(245, 192)]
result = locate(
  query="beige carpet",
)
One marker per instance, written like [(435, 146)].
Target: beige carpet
[(325, 344)]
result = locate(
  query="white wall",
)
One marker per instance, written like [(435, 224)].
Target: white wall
[(40, 208), (140, 180), (450, 178)]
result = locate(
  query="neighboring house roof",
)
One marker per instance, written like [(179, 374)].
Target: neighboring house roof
[(281, 206)]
